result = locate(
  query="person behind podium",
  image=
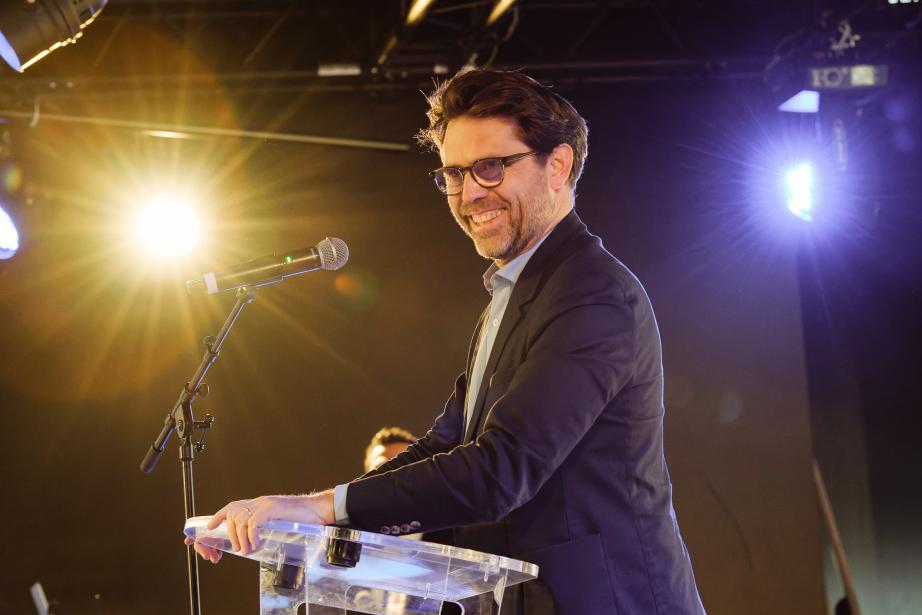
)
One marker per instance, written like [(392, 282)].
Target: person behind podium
[(550, 447), (387, 443)]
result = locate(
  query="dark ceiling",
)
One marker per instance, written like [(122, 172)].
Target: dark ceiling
[(161, 47)]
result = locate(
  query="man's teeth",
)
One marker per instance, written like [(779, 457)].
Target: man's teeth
[(486, 216)]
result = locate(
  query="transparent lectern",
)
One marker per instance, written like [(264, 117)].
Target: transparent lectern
[(336, 570)]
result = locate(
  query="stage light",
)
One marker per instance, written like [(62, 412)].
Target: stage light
[(798, 187), (9, 237), (31, 29), (168, 227), (499, 9), (417, 11), (805, 101), (849, 77)]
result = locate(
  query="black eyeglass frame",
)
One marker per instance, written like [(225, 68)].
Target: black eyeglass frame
[(504, 162)]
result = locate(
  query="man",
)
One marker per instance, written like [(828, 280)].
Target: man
[(550, 449), (387, 443)]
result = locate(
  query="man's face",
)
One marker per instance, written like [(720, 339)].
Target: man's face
[(383, 452), (506, 220)]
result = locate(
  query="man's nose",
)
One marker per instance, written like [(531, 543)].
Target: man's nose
[(470, 189)]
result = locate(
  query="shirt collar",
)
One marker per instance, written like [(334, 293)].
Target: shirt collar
[(510, 271)]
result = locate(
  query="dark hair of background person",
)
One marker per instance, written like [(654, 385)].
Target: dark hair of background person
[(389, 435)]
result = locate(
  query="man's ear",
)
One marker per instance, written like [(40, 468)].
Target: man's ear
[(560, 163)]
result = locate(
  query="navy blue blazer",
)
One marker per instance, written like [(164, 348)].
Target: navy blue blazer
[(562, 464)]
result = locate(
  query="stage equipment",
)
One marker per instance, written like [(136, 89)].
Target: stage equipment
[(182, 420), (417, 11), (848, 582), (351, 571), (39, 599), (499, 9), (814, 67), (331, 253), (182, 131), (9, 236), (31, 29), (805, 101)]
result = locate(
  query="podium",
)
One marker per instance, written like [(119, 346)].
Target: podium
[(333, 570)]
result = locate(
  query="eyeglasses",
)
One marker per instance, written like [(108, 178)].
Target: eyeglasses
[(487, 172)]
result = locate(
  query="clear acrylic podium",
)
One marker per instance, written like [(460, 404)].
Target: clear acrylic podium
[(335, 570)]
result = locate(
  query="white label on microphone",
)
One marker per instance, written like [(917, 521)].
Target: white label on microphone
[(211, 283)]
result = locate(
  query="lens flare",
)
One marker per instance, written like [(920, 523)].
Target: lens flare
[(11, 177), (358, 290)]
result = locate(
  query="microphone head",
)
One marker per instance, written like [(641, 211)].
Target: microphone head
[(333, 253)]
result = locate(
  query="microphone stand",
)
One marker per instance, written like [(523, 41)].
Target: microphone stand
[(181, 420)]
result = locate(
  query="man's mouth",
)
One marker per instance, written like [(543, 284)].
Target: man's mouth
[(485, 216)]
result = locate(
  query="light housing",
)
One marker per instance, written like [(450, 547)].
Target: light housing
[(417, 11), (805, 101), (499, 9), (31, 30)]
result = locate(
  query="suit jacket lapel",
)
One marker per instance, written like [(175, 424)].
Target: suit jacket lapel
[(526, 287)]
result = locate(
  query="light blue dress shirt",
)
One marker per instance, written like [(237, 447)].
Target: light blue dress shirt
[(499, 282)]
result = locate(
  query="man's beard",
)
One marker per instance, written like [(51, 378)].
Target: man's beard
[(523, 224)]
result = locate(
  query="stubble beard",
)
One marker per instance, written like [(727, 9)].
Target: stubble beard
[(523, 224)]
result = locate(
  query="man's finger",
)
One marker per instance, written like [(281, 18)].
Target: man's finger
[(212, 555), (253, 524), (230, 525), (216, 520), (240, 530)]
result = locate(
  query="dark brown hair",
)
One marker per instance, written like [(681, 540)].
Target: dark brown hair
[(544, 119), (390, 435)]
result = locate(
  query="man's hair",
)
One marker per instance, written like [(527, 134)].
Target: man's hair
[(390, 435), (544, 119)]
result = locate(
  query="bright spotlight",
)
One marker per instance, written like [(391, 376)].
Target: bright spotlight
[(9, 237), (798, 187), (168, 228), (805, 101), (499, 9), (417, 11), (31, 29)]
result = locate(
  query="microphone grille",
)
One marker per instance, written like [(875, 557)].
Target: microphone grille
[(333, 253)]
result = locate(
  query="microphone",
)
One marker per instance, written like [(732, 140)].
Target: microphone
[(331, 253)]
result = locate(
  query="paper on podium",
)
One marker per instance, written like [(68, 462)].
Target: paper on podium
[(365, 571)]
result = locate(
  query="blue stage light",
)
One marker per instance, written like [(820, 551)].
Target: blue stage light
[(805, 101), (798, 188), (9, 237)]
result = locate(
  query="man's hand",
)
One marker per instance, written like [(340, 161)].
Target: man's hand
[(243, 518)]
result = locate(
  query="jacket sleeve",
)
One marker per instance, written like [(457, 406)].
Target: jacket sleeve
[(579, 356)]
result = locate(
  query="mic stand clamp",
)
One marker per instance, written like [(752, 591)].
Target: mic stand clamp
[(203, 426), (182, 420)]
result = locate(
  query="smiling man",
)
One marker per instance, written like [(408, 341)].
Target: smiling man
[(550, 448)]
